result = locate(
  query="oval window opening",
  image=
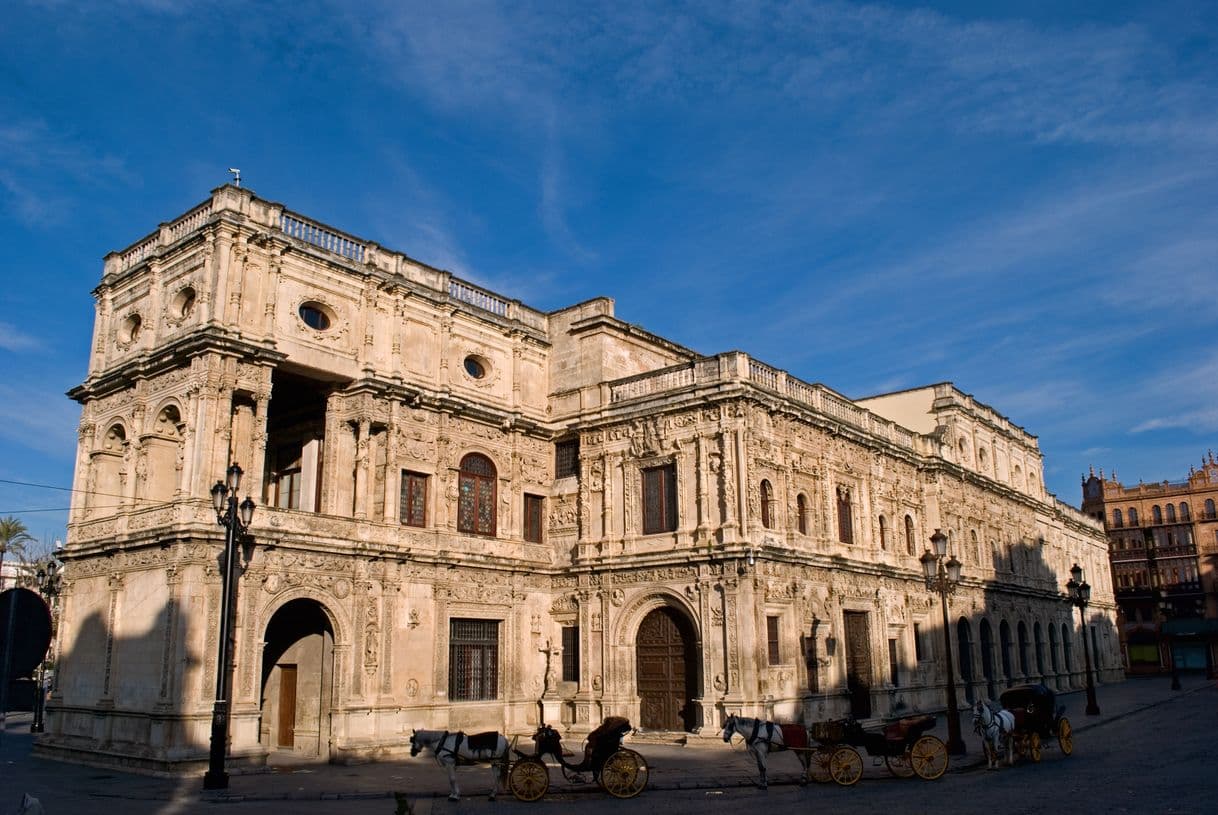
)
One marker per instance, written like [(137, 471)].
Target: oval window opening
[(314, 317), (184, 303), (474, 367), (130, 330)]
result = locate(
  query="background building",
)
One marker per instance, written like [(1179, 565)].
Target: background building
[(472, 514), (1163, 547)]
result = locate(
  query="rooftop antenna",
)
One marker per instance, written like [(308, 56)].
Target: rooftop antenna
[(236, 171)]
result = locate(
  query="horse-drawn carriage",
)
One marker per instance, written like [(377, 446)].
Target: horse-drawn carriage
[(1038, 719), (903, 744), (620, 771)]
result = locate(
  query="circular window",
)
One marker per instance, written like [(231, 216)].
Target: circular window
[(983, 457), (315, 316), (475, 367), (129, 331), (183, 303)]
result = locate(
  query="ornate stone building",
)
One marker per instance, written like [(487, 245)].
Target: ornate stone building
[(472, 514), (1163, 550)]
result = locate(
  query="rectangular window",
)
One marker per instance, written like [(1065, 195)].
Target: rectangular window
[(812, 663), (892, 663), (473, 660), (287, 477), (919, 653), (771, 636), (845, 523), (659, 499), (533, 505), (412, 501), (566, 458), (570, 653)]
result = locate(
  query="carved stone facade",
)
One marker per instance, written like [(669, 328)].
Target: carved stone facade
[(468, 510)]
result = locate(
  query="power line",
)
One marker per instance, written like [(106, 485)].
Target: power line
[(70, 489)]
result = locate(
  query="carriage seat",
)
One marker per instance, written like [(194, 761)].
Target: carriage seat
[(608, 736), (901, 729), (483, 741), (794, 736)]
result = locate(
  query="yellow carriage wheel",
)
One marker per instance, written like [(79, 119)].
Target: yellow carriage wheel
[(528, 779), (1065, 736), (846, 766), (900, 765), (819, 765), (624, 774), (1034, 747), (928, 756)]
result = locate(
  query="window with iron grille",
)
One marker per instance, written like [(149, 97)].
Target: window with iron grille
[(533, 505), (919, 653), (812, 663), (570, 653), (660, 499), (767, 498), (845, 526), (566, 458), (771, 636), (412, 504), (476, 500), (473, 660), (893, 664)]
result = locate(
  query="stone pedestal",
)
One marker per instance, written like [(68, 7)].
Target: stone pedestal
[(551, 710)]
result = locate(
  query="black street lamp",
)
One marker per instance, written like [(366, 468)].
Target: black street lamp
[(235, 518), (942, 578), (1080, 595), (49, 579)]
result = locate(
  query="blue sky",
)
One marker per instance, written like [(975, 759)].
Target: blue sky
[(1017, 197)]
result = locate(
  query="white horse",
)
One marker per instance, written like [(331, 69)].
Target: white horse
[(451, 749), (762, 738), (997, 730)]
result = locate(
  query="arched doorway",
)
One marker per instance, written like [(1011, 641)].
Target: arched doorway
[(987, 658), (297, 681), (964, 646), (667, 671)]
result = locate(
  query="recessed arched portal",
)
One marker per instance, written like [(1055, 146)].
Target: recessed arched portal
[(987, 658), (964, 648), (667, 671), (298, 680)]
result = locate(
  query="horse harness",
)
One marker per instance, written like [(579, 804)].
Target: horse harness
[(756, 735), (478, 743)]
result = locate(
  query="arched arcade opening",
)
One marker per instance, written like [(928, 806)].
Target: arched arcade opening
[(298, 681)]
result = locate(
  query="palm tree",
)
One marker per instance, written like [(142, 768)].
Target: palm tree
[(13, 538)]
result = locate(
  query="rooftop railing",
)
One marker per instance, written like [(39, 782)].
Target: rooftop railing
[(727, 367), (296, 226)]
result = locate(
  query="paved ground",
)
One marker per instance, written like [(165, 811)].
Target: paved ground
[(706, 763)]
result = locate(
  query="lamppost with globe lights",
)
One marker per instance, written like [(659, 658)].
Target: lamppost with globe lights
[(942, 578), (48, 578), (1080, 595), (235, 518)]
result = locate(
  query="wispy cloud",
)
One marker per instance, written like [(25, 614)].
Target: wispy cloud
[(15, 340), (38, 165), (38, 420)]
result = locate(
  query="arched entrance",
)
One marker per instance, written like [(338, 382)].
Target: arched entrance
[(667, 671), (987, 659), (297, 681), (964, 647)]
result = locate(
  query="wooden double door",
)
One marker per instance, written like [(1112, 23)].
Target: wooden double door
[(667, 671)]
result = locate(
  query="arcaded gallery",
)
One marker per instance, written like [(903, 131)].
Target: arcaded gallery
[(469, 514)]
